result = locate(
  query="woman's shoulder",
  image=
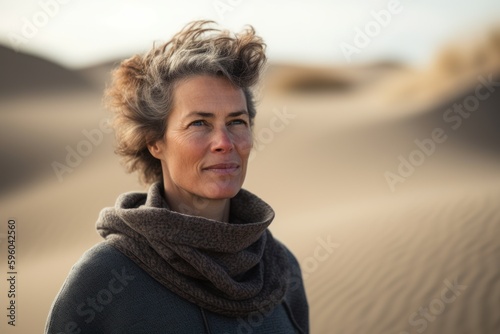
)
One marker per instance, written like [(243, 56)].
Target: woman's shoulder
[(101, 290), (98, 257), (93, 265), (290, 256), (100, 267)]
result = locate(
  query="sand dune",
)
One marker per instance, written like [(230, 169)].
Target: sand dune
[(396, 256), (390, 252), (30, 74), (43, 108)]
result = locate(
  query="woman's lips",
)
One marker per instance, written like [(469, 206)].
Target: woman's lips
[(223, 169)]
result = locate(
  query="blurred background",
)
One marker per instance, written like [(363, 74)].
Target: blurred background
[(377, 142)]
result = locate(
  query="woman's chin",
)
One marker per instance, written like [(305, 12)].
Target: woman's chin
[(224, 192), (223, 195)]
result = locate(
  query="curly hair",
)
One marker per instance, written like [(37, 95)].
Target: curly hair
[(141, 93)]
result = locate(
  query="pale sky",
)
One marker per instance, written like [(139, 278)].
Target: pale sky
[(78, 33)]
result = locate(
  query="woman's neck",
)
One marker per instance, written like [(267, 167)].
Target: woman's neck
[(203, 207)]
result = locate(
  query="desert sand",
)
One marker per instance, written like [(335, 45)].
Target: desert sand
[(416, 255)]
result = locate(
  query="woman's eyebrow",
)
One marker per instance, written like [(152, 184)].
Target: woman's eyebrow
[(200, 114), (238, 113), (212, 115)]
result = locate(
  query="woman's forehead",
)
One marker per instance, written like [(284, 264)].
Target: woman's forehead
[(208, 94)]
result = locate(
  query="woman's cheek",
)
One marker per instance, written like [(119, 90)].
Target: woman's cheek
[(247, 143)]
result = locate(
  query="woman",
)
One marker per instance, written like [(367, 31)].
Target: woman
[(193, 254)]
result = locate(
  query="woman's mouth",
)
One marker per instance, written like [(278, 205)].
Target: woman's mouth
[(223, 169)]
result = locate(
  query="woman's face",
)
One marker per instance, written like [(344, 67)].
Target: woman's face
[(208, 139)]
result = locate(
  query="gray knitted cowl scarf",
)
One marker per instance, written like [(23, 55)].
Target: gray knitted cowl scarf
[(230, 268)]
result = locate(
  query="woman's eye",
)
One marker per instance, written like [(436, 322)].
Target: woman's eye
[(238, 121), (197, 123)]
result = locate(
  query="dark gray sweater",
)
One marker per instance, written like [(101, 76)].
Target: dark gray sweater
[(106, 292)]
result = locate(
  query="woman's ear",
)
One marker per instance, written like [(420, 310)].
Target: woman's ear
[(156, 149)]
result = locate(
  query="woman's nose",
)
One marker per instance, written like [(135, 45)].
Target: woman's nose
[(222, 141)]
